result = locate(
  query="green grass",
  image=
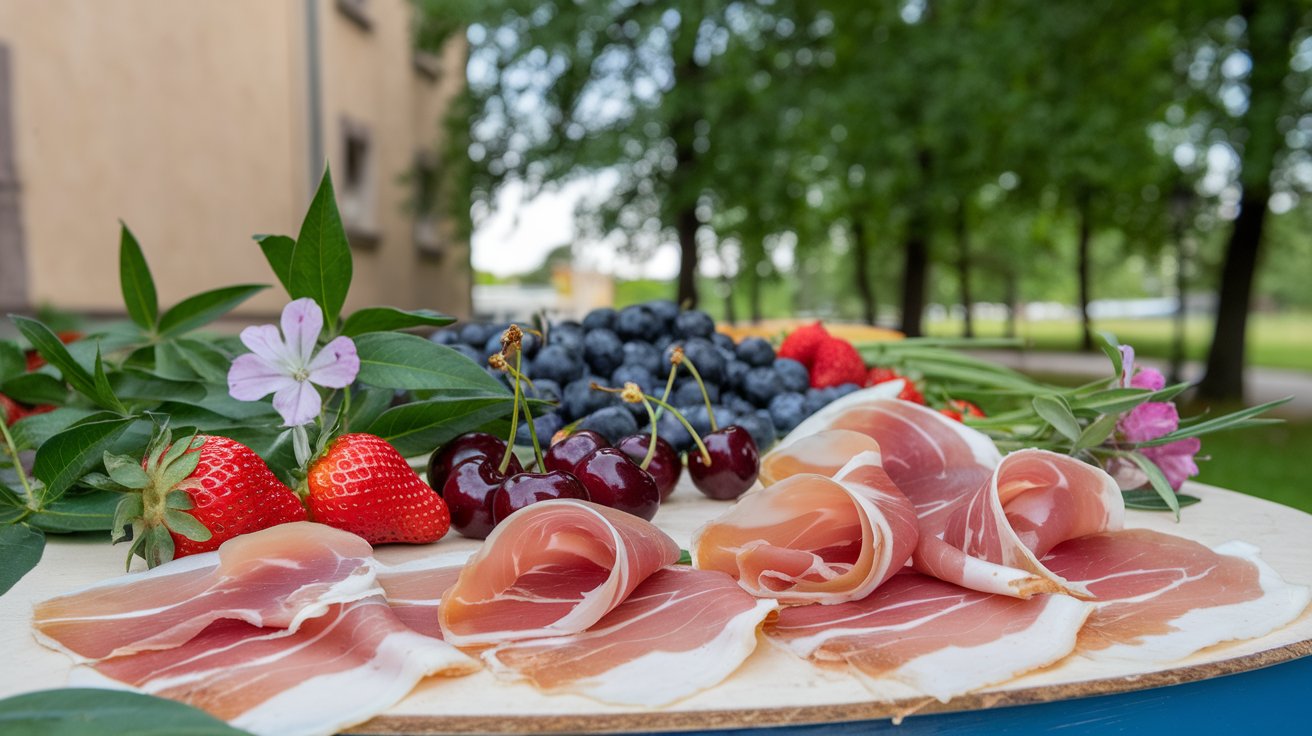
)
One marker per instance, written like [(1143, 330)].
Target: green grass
[(1274, 340), (1268, 462)]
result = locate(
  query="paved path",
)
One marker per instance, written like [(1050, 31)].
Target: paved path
[(1261, 384)]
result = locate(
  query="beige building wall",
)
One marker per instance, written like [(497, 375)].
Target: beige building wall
[(192, 122)]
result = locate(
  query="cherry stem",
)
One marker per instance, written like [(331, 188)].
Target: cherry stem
[(702, 385), (514, 427), (651, 448), (706, 454), (528, 414), (669, 382)]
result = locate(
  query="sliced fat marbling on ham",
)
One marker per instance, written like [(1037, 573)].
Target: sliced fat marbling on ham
[(1160, 598), (681, 631), (813, 539), (823, 453), (984, 520), (277, 577), (336, 670), (552, 568), (938, 638), (414, 589)]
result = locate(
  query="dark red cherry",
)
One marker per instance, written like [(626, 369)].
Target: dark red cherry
[(468, 492), (613, 480), (569, 452), (464, 447), (734, 463), (665, 466), (526, 489)]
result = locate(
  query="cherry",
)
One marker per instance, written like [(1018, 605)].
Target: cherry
[(569, 452), (464, 447), (665, 466), (526, 489), (734, 463), (613, 480), (468, 492)]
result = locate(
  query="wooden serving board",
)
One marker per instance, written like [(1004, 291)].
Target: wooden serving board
[(772, 687)]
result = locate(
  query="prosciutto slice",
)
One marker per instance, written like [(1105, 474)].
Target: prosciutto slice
[(680, 631), (278, 577), (813, 539), (984, 520), (336, 670), (1160, 598), (552, 568), (938, 638), (414, 589)]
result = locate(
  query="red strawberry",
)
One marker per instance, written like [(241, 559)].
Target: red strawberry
[(362, 484), (880, 374), (909, 391), (11, 410), (801, 344), (196, 495), (837, 362), (964, 408)]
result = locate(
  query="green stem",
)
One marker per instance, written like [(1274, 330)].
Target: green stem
[(702, 385), (528, 414), (651, 447), (12, 448), (706, 454), (514, 427), (346, 410), (669, 386)]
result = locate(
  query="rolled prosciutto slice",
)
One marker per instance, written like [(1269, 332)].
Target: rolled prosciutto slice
[(984, 520), (935, 637), (414, 589), (277, 577), (813, 539), (1160, 598), (679, 632), (552, 568), (335, 671)]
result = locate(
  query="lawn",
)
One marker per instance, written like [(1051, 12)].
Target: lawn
[(1266, 461), (1274, 340)]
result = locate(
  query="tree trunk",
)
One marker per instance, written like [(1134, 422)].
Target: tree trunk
[(963, 271), (861, 271), (754, 295), (688, 76), (730, 314), (1270, 29), (915, 269), (1082, 266), (1013, 300)]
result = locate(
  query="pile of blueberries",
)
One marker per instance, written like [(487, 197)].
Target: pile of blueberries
[(747, 383)]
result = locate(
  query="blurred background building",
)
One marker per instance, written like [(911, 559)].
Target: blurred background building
[(200, 123)]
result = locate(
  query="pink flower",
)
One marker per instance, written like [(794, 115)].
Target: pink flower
[(1127, 365), (286, 365), (1149, 421), (1175, 459), (1148, 378)]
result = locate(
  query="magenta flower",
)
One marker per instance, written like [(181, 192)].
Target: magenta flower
[(286, 364), (1148, 378), (1175, 459), (1149, 421)]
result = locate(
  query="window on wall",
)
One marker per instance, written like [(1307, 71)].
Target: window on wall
[(424, 186), (357, 192)]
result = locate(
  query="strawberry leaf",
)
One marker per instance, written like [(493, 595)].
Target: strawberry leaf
[(134, 278), (177, 448), (126, 471), (129, 508), (173, 473), (185, 524), (159, 546), (180, 500)]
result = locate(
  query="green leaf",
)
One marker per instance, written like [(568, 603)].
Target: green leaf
[(1097, 432), (1108, 344), (386, 319), (1055, 411), (56, 354), (1145, 500), (79, 512), (179, 500), (210, 363), (129, 507), (20, 549), (178, 470), (103, 389), (1121, 400), (86, 711), (126, 471), (69, 455), (1158, 481), (685, 558), (398, 360), (134, 277), (35, 388), (278, 252), (140, 385), (101, 482), (367, 404), (418, 427), (1233, 420), (185, 524), (203, 308), (320, 266), (12, 506), (12, 361), (159, 546), (33, 431)]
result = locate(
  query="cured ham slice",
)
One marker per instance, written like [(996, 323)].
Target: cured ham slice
[(1160, 598), (552, 568), (938, 638), (414, 589), (823, 453), (681, 631), (277, 577), (984, 520), (810, 538), (336, 670)]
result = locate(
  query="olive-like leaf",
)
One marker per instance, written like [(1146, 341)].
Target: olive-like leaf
[(20, 549), (385, 319), (81, 712), (139, 297)]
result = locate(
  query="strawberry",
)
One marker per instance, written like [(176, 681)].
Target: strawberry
[(909, 391), (194, 495), (951, 414), (964, 408), (801, 344), (362, 484), (837, 362), (10, 410)]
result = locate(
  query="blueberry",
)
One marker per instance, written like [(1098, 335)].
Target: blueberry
[(664, 310), (724, 342), (601, 318), (756, 352), (687, 392), (793, 374), (734, 373), (603, 351), (474, 335), (787, 410), (568, 335), (530, 344), (636, 323), (470, 353), (493, 344), (555, 363), (816, 400), (694, 323), (760, 427), (612, 422), (673, 431), (703, 354), (547, 390), (737, 404), (545, 425), (581, 399), (761, 384), (643, 355), (635, 374), (445, 337), (843, 389)]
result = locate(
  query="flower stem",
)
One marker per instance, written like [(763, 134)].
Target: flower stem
[(12, 448)]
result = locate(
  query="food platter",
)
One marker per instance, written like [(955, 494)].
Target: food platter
[(772, 687)]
